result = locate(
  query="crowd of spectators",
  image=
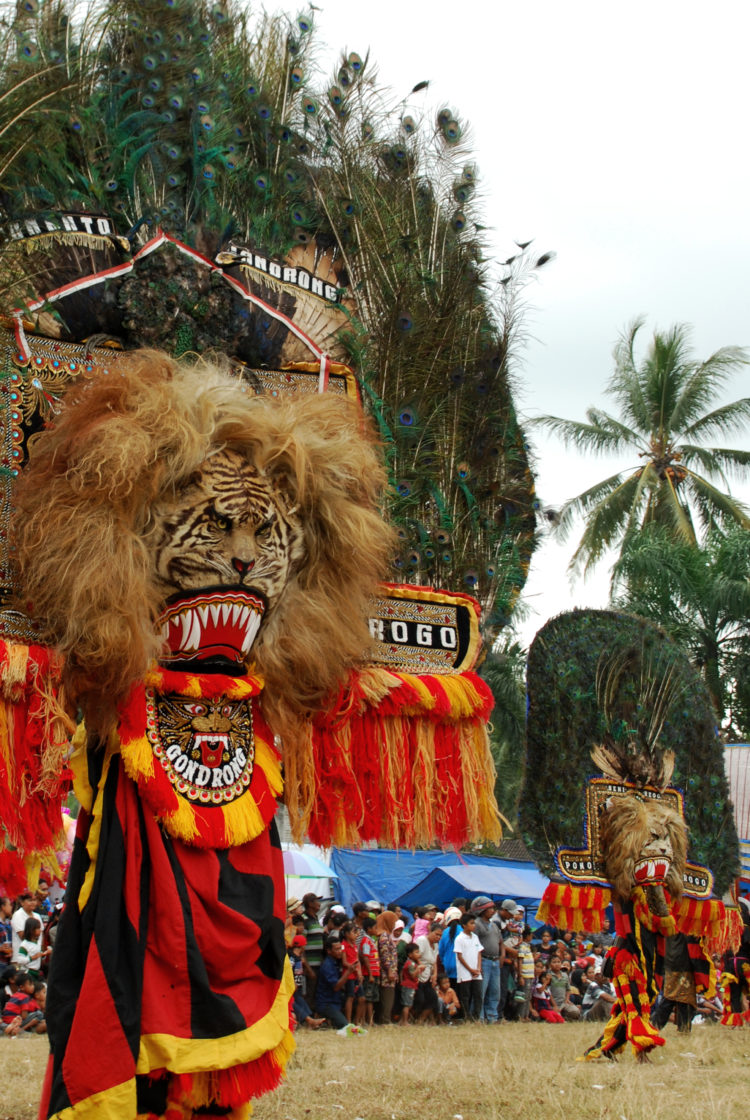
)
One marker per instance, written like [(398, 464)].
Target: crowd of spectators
[(27, 933), (477, 962)]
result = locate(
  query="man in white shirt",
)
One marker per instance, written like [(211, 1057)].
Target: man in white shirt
[(18, 921), (468, 949)]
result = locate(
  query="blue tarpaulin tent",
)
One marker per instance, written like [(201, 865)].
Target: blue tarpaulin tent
[(392, 876), (443, 884)]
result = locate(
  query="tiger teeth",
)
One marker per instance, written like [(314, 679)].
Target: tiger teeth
[(203, 612), (194, 639), (216, 614), (225, 611), (187, 622), (252, 630), (236, 612)]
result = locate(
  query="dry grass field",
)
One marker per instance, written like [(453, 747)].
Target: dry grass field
[(508, 1072)]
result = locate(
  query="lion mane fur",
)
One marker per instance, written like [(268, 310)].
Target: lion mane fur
[(84, 513), (626, 827)]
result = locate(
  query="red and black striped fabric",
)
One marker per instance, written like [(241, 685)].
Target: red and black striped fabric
[(169, 980)]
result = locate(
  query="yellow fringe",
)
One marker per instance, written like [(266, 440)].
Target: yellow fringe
[(181, 822), (138, 759), (268, 760)]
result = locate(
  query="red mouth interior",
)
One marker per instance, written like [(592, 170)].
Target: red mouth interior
[(211, 624)]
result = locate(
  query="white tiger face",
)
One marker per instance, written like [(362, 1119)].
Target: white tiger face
[(227, 528)]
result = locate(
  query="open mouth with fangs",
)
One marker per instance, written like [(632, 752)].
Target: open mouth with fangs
[(215, 627), (651, 870)]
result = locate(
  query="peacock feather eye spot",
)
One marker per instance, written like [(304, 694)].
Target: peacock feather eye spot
[(412, 559), (398, 562), (452, 131), (491, 571), (174, 151), (209, 172), (335, 96), (355, 62), (443, 117), (207, 123), (409, 125), (264, 112), (468, 174), (149, 62), (344, 78), (261, 182), (403, 488), (111, 185), (297, 76), (458, 221), (197, 74), (251, 89), (442, 536), (310, 106), (304, 24), (154, 84), (291, 176), (176, 101), (76, 124), (471, 578), (429, 553), (301, 236), (203, 107), (446, 557), (347, 206), (148, 101), (398, 153), (404, 322), (463, 470), (367, 131), (407, 417)]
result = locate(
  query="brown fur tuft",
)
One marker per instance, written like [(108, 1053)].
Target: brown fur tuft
[(123, 440)]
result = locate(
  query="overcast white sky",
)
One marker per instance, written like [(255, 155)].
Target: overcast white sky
[(616, 134)]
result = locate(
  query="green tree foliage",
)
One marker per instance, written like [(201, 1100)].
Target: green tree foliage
[(566, 719), (668, 413), (504, 672), (701, 596)]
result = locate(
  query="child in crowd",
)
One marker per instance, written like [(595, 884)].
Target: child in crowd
[(542, 1001), (525, 966), (468, 950), (409, 981), (353, 987), (448, 1001), (30, 954), (369, 960), (22, 1012), (300, 1006)]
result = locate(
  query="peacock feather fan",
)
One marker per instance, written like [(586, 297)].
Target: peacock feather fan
[(211, 124)]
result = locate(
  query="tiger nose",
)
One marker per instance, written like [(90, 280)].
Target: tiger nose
[(242, 566)]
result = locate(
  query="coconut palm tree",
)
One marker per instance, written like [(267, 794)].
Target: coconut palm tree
[(668, 411)]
